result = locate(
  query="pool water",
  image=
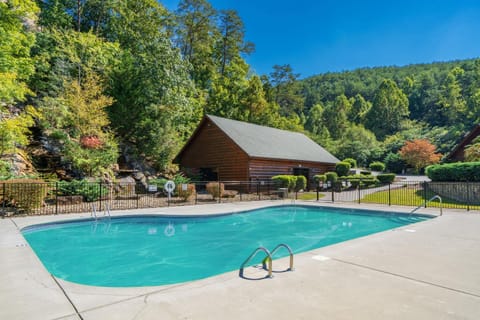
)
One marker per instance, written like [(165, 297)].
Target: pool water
[(153, 250)]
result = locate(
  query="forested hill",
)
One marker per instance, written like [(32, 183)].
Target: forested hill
[(87, 85), (438, 101)]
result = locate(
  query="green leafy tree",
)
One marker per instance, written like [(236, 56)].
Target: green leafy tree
[(389, 108), (230, 43), (285, 90), (359, 109), (77, 119), (472, 152), (359, 143), (195, 32), (17, 18), (335, 117)]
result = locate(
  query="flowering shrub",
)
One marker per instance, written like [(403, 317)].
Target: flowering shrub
[(91, 142)]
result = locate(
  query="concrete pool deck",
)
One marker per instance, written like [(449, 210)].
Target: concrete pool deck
[(428, 270)]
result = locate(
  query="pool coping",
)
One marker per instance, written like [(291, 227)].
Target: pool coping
[(74, 301)]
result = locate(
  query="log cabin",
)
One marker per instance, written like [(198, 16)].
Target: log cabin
[(230, 150)]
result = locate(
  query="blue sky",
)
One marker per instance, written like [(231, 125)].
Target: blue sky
[(327, 35)]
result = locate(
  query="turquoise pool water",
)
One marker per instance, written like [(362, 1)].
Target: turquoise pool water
[(152, 250)]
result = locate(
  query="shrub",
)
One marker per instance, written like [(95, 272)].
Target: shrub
[(462, 171), (300, 183), (331, 176), (394, 163), (365, 173), (319, 177), (189, 193), (353, 162), (386, 177), (377, 166), (25, 194), (215, 189), (342, 168), (285, 181), (361, 180), (90, 191)]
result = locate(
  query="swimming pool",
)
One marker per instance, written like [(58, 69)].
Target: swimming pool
[(133, 251)]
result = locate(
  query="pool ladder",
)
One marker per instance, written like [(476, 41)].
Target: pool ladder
[(106, 212), (430, 200), (267, 262)]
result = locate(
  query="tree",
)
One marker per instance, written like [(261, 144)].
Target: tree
[(78, 121), (286, 90), (472, 151), (335, 116), (359, 109), (230, 42), (17, 18), (194, 35), (389, 108), (358, 143), (419, 153)]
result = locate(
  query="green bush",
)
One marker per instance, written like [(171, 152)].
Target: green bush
[(331, 176), (319, 177), (178, 179), (342, 168), (365, 173), (285, 181), (25, 194), (394, 163), (386, 177), (377, 166), (361, 180), (353, 162), (300, 183), (90, 191), (462, 171)]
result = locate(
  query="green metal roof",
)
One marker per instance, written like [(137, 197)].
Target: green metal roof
[(265, 142)]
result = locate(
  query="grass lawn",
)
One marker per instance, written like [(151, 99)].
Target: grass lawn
[(309, 196), (412, 197)]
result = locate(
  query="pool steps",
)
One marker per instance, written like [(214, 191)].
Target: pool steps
[(267, 262)]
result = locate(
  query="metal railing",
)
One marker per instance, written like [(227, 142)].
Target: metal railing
[(426, 202), (60, 197), (267, 261)]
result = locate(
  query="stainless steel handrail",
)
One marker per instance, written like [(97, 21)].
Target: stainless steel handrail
[(290, 252), (254, 253), (430, 200), (94, 211), (107, 210)]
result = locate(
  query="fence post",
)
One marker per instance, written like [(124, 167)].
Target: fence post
[(3, 200), (100, 193), (258, 189), (468, 196), (359, 191), (425, 192), (389, 195), (318, 193), (219, 191), (333, 192), (56, 197)]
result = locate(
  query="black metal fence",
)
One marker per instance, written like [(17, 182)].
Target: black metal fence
[(54, 198), (457, 195)]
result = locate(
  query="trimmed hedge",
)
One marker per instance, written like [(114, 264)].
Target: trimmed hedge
[(300, 183), (386, 177), (342, 168), (319, 177), (26, 194), (377, 166), (331, 176), (353, 162), (461, 171)]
